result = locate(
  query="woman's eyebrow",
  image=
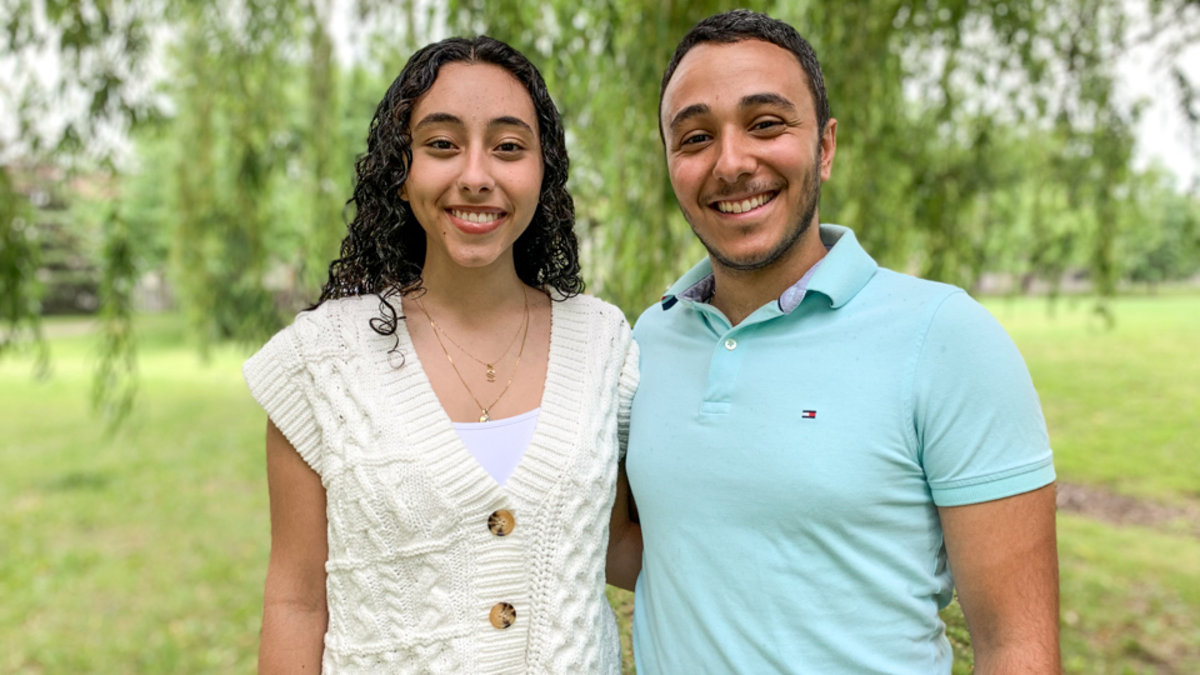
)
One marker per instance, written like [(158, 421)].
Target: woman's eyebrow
[(509, 121), (439, 118), (447, 118)]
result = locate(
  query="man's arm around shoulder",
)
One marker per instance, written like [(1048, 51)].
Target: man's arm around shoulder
[(624, 538)]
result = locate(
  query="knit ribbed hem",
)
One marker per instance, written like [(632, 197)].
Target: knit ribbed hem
[(557, 433), (277, 380), (626, 387)]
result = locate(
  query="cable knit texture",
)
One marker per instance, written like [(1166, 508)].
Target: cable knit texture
[(413, 570)]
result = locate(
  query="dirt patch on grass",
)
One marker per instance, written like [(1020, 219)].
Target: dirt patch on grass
[(1110, 507)]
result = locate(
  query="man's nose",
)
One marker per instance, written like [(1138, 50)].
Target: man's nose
[(735, 159)]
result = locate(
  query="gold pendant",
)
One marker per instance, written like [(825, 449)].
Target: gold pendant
[(491, 372), (483, 416)]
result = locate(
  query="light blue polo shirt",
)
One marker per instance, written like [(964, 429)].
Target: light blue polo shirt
[(787, 471)]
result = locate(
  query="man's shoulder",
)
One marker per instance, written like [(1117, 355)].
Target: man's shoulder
[(907, 298), (652, 318), (945, 302), (893, 284)]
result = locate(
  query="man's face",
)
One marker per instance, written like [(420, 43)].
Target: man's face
[(744, 152)]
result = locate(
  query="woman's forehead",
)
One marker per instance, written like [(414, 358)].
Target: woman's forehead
[(478, 92)]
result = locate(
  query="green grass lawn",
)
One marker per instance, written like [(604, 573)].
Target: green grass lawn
[(1123, 405), (145, 553)]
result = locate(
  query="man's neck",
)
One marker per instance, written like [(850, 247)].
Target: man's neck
[(738, 293)]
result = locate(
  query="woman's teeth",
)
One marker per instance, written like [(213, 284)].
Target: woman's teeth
[(475, 217)]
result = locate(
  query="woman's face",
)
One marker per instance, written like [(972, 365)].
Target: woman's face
[(477, 166)]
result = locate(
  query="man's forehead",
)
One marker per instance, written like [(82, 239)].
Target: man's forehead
[(711, 70)]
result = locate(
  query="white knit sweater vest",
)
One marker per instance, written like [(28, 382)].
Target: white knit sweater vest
[(413, 569)]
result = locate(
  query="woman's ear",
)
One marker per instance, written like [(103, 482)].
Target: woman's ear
[(402, 193)]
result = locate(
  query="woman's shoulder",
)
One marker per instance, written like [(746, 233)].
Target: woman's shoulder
[(593, 326), (596, 311), (354, 309), (340, 321), (338, 309)]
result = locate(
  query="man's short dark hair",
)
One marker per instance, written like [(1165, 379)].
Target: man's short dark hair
[(742, 24)]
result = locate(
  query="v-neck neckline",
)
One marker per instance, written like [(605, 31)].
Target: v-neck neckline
[(427, 427)]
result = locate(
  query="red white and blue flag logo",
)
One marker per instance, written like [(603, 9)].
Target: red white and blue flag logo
[(808, 414)]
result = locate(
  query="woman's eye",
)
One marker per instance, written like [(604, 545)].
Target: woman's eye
[(509, 147), (440, 144)]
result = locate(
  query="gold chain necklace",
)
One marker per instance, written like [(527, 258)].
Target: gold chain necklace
[(491, 368), (483, 410)]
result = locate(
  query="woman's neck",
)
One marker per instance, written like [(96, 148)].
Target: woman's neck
[(473, 295)]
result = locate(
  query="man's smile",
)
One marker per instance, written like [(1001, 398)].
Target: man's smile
[(745, 204)]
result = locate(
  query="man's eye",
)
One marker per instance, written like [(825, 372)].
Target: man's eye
[(694, 139), (765, 124)]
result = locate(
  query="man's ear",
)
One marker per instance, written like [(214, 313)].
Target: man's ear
[(828, 148)]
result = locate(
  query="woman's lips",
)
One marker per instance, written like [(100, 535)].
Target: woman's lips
[(476, 221)]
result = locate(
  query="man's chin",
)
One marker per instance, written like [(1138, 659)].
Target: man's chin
[(753, 259), (743, 263)]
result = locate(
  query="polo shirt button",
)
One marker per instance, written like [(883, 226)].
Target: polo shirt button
[(731, 344), (502, 522), (503, 615)]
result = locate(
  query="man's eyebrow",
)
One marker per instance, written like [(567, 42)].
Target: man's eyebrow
[(688, 113), (767, 99), (509, 121), (439, 118)]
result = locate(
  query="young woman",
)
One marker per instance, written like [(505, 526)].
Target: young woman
[(443, 438)]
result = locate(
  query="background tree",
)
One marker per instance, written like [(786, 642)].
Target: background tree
[(975, 136)]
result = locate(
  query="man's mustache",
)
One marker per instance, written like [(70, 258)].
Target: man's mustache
[(746, 189)]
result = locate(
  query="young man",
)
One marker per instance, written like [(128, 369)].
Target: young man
[(819, 443)]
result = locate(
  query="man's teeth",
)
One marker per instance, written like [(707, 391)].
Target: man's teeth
[(745, 204), (475, 217)]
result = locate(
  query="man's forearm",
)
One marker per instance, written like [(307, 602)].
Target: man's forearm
[(1004, 557), (625, 557), (1036, 655)]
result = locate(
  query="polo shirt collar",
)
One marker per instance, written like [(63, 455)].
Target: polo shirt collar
[(840, 275), (845, 270)]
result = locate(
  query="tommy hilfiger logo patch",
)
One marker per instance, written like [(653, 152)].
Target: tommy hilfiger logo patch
[(808, 414)]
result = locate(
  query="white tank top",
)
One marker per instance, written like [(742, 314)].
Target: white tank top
[(498, 445)]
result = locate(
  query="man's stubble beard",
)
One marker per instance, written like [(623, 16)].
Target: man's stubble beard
[(810, 200)]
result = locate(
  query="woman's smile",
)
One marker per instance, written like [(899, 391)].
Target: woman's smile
[(476, 220)]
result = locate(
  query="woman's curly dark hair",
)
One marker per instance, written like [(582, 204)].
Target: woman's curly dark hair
[(384, 250)]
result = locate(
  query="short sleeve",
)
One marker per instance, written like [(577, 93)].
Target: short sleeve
[(978, 420), (281, 383), (626, 387)]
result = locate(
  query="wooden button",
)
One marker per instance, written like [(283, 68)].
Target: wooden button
[(503, 615), (502, 522)]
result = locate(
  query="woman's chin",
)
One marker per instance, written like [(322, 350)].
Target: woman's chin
[(479, 258)]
